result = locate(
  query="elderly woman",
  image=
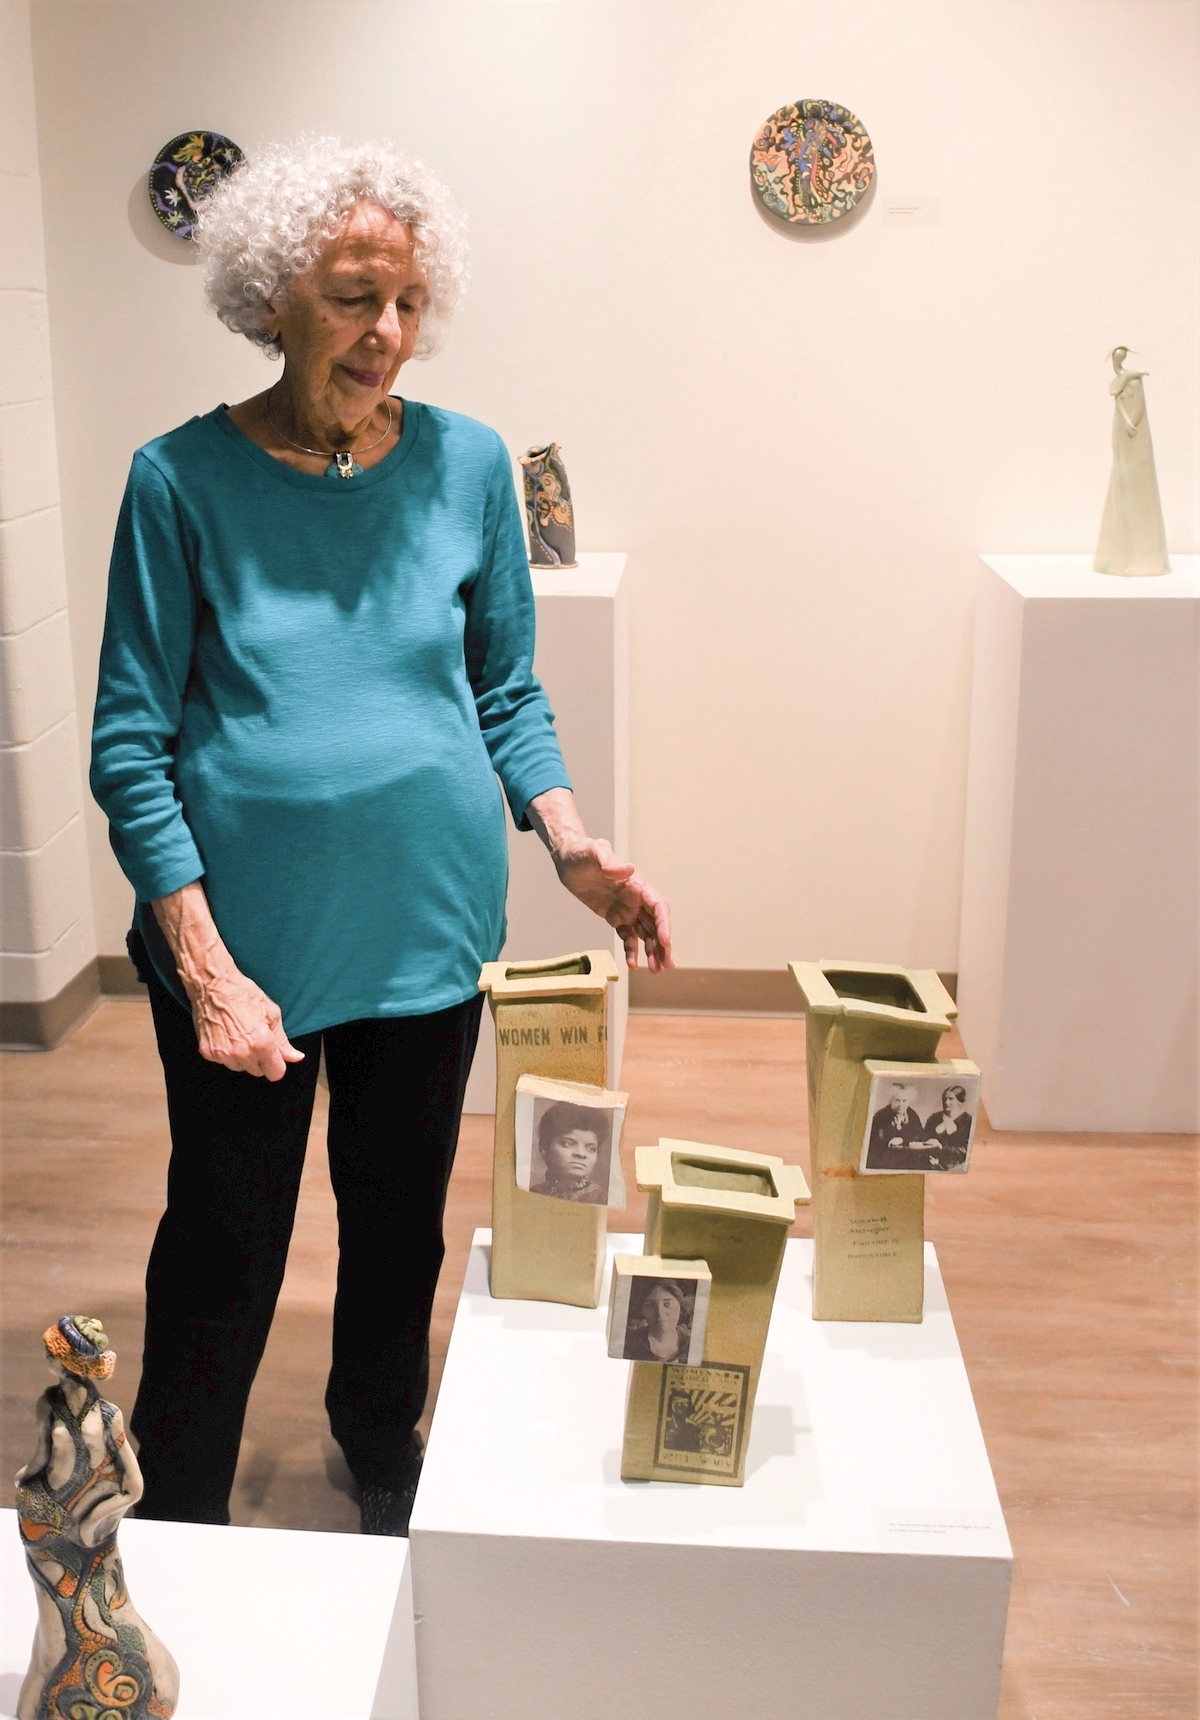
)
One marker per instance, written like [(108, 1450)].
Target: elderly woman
[(316, 664)]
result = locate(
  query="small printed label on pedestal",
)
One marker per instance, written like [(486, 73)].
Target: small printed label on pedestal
[(935, 1529), (702, 1419)]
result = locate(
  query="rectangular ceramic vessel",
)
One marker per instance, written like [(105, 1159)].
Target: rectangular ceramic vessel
[(868, 1232), (733, 1210), (551, 1018)]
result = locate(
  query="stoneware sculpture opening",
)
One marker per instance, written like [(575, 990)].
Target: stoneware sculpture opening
[(186, 171), (811, 162)]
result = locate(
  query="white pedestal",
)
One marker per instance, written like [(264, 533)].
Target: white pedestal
[(582, 659), (265, 1624), (1079, 964), (862, 1572)]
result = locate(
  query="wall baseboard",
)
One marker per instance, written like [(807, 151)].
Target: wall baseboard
[(724, 991), (42, 1026), (680, 991), (118, 977)]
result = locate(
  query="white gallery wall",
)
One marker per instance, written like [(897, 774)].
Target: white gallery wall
[(802, 441)]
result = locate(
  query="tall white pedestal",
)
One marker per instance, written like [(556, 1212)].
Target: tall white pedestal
[(582, 659), (862, 1573), (1079, 963), (265, 1624)]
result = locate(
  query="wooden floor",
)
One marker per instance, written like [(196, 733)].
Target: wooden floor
[(1070, 1263)]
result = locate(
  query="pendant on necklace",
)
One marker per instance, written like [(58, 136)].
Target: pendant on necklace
[(343, 464)]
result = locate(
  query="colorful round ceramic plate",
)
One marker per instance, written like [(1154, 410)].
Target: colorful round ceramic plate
[(185, 172), (811, 162)]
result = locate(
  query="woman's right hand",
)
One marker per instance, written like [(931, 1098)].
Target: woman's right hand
[(240, 1027), (237, 1024)]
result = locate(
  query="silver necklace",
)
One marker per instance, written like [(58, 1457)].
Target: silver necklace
[(341, 460)]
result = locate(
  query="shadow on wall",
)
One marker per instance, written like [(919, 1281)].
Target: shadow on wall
[(149, 231)]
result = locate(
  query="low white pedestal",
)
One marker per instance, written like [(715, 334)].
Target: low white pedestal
[(862, 1573), (1079, 964), (582, 659), (266, 1624)]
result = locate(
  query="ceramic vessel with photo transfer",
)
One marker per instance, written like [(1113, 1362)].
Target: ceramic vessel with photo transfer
[(868, 1231), (551, 1018), (731, 1210)]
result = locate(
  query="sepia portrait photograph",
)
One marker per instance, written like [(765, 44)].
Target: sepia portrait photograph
[(658, 1310), (920, 1123), (568, 1140)]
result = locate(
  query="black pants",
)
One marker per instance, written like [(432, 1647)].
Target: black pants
[(396, 1090)]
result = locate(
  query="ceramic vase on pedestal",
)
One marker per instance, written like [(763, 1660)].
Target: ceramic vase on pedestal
[(93, 1655), (731, 1211), (868, 1231), (551, 1019), (548, 509)]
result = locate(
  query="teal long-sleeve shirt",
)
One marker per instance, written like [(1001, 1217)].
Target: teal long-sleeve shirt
[(308, 688)]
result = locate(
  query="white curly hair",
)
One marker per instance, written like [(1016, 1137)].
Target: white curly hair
[(267, 223)]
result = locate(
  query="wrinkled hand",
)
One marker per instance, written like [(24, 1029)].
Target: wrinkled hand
[(239, 1027), (591, 871), (237, 1024), (620, 895)]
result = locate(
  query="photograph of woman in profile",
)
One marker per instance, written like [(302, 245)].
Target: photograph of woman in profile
[(574, 1143), (660, 1330)]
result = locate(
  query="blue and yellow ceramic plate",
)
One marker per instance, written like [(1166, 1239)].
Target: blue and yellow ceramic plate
[(185, 172), (811, 162)]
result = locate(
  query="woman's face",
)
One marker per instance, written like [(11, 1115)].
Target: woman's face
[(953, 1106), (573, 1155), (661, 1308), (348, 325)]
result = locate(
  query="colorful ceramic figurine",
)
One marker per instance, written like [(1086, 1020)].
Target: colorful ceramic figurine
[(548, 508), (1132, 537), (93, 1656)]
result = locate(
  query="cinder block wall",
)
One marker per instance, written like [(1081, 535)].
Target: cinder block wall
[(47, 943)]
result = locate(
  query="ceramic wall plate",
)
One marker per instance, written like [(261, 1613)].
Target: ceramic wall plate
[(185, 172), (811, 162)]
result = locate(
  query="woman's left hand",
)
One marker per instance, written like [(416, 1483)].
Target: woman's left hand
[(609, 887)]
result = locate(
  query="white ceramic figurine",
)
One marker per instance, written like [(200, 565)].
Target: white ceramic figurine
[(1132, 537)]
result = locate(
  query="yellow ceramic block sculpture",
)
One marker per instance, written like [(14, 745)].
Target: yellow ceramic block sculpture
[(551, 1019), (868, 1231), (732, 1211)]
